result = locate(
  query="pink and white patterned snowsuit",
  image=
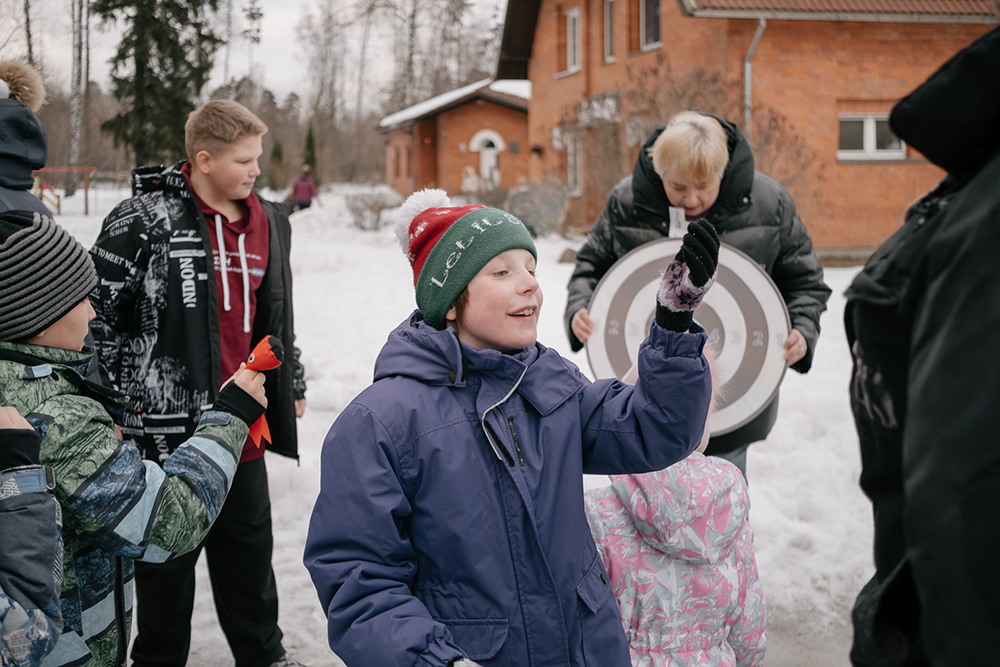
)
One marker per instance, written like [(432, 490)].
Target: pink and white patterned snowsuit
[(679, 550)]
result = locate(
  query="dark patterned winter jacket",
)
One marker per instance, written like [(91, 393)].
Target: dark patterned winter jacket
[(30, 562), (157, 305), (116, 507), (752, 213)]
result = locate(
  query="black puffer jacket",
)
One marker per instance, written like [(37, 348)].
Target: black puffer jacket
[(23, 147), (923, 322), (752, 213)]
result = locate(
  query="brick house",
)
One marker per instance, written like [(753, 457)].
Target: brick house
[(470, 139), (814, 80)]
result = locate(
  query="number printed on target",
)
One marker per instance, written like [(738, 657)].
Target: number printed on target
[(743, 315)]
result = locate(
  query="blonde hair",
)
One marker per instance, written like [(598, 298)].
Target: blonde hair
[(692, 147), (217, 125)]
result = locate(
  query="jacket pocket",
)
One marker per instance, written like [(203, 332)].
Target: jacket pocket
[(595, 588), (604, 642), (481, 638)]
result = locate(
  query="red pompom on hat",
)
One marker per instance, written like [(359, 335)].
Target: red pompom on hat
[(448, 245)]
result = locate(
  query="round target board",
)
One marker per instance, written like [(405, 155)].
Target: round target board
[(743, 314)]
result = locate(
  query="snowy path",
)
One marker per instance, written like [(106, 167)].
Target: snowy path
[(812, 524)]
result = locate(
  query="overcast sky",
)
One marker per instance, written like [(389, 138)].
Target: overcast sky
[(278, 59)]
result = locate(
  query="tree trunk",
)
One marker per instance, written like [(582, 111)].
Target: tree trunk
[(27, 31), (76, 95)]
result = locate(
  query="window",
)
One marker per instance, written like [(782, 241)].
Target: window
[(649, 23), (868, 137), (609, 32), (574, 179), (573, 40)]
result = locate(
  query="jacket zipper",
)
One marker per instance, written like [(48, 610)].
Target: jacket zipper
[(517, 442), (499, 443)]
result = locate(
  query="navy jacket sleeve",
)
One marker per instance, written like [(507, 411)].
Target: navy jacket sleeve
[(657, 422)]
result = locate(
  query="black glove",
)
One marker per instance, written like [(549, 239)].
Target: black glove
[(688, 277), (19, 447), (235, 401)]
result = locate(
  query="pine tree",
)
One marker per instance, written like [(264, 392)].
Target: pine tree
[(161, 65), (309, 154)]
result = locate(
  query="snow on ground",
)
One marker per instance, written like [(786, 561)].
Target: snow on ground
[(812, 524)]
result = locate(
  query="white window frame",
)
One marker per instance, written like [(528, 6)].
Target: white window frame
[(868, 152), (573, 34), (609, 32), (574, 165), (642, 29)]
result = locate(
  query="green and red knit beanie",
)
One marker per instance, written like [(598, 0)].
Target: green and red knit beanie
[(448, 245)]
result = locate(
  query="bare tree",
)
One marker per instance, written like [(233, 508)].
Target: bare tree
[(79, 16), (253, 16), (321, 35)]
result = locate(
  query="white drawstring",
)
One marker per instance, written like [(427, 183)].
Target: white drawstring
[(246, 285), (222, 262), (225, 277)]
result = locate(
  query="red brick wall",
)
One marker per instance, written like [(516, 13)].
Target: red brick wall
[(456, 129), (398, 146), (806, 70), (439, 147)]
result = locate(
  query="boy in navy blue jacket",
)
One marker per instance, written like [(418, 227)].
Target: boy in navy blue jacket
[(450, 528)]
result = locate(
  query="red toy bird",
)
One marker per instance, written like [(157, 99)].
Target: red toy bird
[(268, 354)]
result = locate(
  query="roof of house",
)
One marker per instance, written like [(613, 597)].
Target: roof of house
[(513, 94), (908, 11), (522, 15)]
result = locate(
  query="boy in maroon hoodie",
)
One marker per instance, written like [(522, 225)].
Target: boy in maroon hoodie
[(167, 333)]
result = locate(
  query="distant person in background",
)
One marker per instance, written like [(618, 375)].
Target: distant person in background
[(23, 145), (304, 189), (922, 319)]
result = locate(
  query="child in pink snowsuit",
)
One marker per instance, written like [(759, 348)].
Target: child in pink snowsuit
[(679, 550)]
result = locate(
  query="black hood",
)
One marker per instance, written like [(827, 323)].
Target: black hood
[(649, 199), (23, 145), (953, 118)]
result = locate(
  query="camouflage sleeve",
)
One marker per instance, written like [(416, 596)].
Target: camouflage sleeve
[(30, 567), (121, 256), (135, 508)]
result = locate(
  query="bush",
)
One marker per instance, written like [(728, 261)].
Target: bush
[(366, 208), (540, 205)]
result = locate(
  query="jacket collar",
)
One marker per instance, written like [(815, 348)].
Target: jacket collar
[(650, 201), (436, 357), (40, 361)]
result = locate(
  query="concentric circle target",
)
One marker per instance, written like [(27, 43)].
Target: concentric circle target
[(743, 314)]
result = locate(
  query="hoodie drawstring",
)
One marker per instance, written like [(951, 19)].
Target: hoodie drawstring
[(222, 262), (246, 284), (225, 278)]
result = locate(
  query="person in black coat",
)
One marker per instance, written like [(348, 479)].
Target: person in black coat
[(704, 165), (23, 145), (923, 323)]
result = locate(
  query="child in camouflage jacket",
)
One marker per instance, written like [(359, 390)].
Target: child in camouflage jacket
[(116, 507)]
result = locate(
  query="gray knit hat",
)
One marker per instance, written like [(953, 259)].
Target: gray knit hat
[(44, 274)]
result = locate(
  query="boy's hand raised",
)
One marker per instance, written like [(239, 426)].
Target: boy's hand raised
[(688, 277), (243, 395)]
